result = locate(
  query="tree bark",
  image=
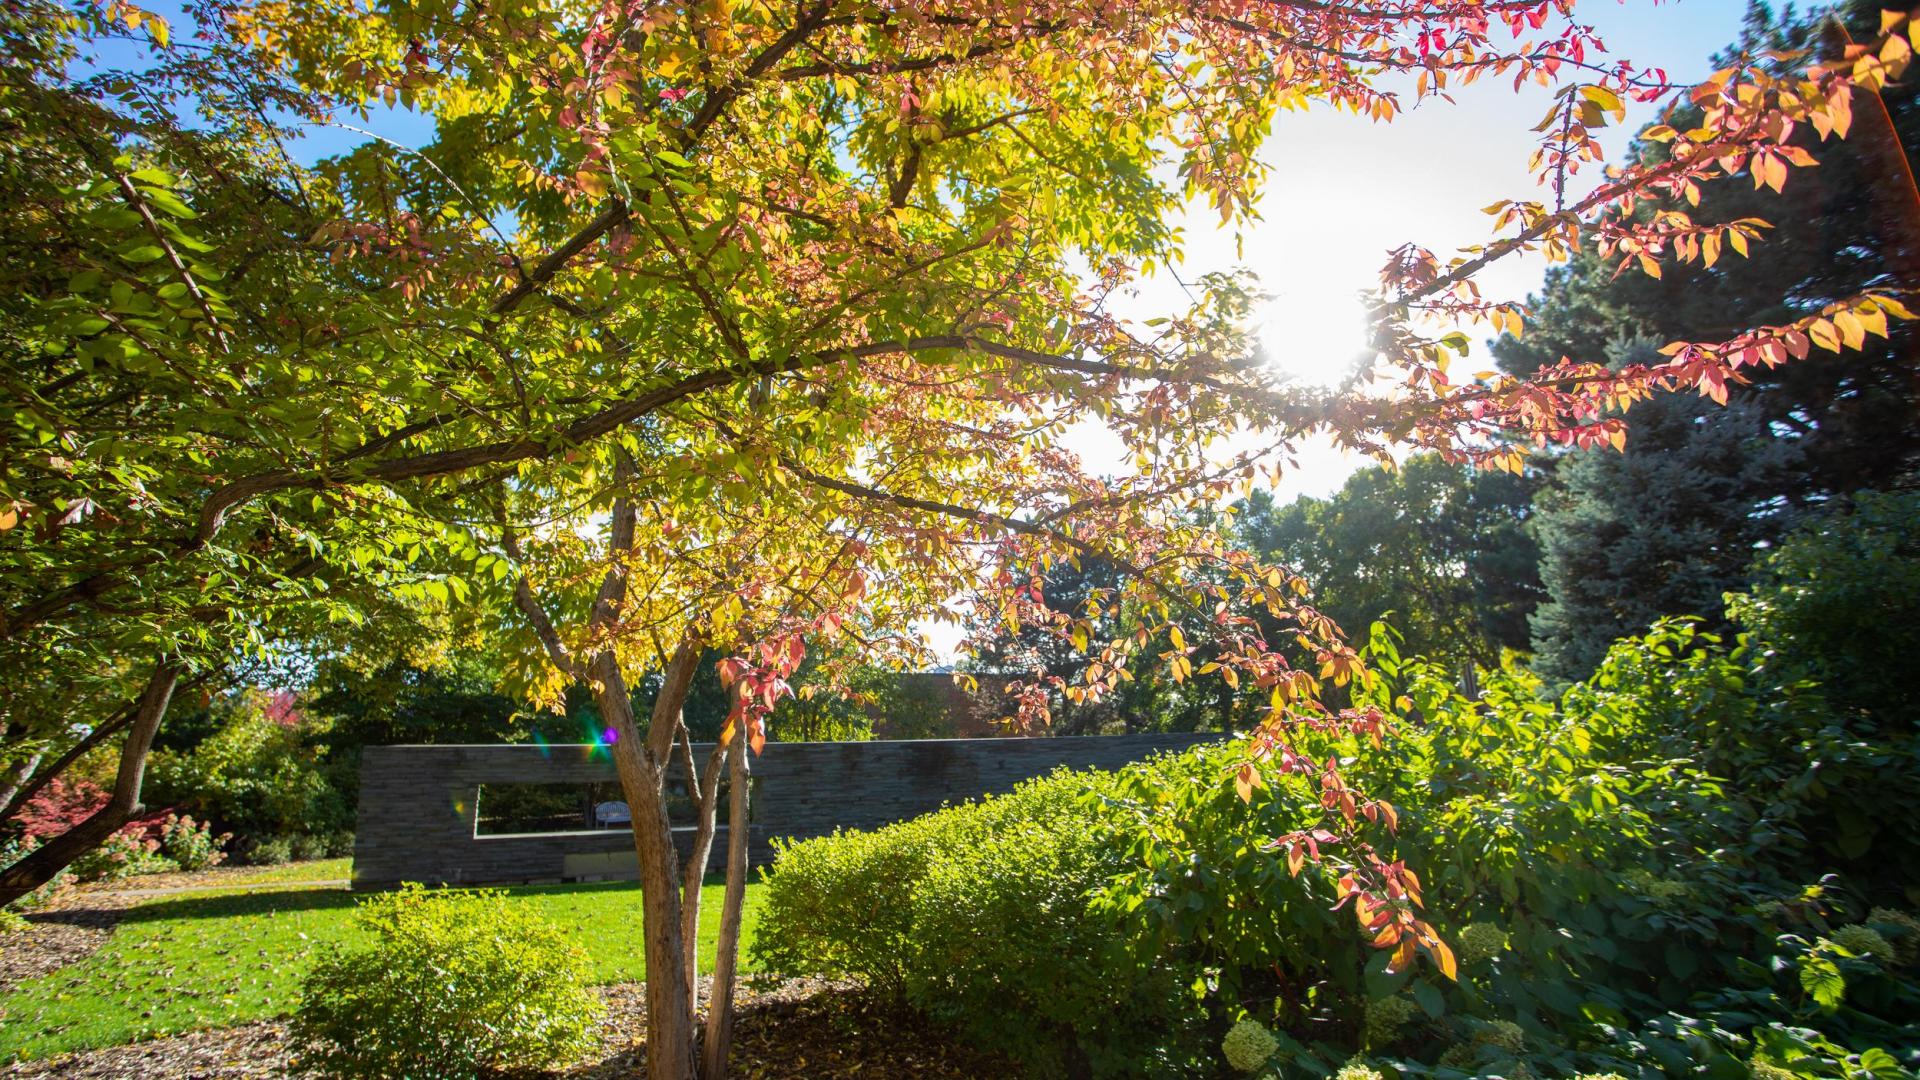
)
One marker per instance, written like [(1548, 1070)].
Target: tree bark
[(726, 963), (643, 776), (44, 863), (706, 801), (20, 777)]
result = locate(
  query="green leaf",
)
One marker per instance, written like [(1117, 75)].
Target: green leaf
[(1430, 999)]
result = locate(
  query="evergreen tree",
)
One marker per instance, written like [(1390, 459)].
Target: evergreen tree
[(1671, 526), (1667, 526)]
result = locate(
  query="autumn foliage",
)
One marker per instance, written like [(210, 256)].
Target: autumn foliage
[(757, 327)]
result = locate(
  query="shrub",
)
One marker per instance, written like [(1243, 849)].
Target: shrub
[(979, 916), (258, 773), (1249, 1045), (1008, 949), (1865, 942), (451, 984), (271, 851), (191, 844), (59, 806), (127, 853)]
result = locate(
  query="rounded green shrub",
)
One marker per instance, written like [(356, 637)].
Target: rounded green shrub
[(1249, 1045), (445, 985), (1385, 1017), (1504, 1034), (1865, 941), (1481, 941)]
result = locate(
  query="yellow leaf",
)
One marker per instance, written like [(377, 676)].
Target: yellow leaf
[(1824, 335), (593, 183), (1606, 99), (1443, 958), (1852, 331)]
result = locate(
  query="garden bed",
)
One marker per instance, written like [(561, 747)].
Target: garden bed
[(787, 1030)]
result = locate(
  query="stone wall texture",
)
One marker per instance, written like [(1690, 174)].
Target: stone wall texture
[(418, 803)]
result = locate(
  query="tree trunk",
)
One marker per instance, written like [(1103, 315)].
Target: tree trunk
[(726, 962), (692, 876), (111, 726), (643, 778), (44, 863), (9, 794)]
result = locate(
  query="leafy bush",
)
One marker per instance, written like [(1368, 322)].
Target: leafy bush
[(451, 984), (127, 853), (191, 844), (980, 916), (59, 806), (271, 851), (258, 773), (1840, 599)]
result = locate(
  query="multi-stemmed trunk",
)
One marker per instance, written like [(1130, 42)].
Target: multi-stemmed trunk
[(670, 891), (726, 963)]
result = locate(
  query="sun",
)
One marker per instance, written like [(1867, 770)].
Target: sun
[(1313, 332)]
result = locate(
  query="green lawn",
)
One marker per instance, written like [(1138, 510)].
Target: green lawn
[(315, 870), (215, 959)]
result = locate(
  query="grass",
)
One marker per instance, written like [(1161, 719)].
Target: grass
[(316, 870), (217, 959)]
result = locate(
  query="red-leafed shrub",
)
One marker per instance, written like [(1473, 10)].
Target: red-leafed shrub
[(60, 806)]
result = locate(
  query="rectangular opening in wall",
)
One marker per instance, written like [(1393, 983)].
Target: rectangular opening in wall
[(522, 809)]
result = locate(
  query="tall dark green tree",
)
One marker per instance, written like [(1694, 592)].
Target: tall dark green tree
[(1667, 526), (1671, 527)]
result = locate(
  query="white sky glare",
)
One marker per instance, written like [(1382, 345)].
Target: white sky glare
[(1345, 190)]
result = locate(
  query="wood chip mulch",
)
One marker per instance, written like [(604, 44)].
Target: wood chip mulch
[(793, 1029), (66, 931)]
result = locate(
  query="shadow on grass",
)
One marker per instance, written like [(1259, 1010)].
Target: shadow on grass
[(256, 901), (229, 905)]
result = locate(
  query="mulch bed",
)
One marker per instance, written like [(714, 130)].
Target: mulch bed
[(69, 929), (794, 1029)]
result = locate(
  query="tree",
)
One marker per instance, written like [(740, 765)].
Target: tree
[(1442, 547), (1668, 526), (777, 355)]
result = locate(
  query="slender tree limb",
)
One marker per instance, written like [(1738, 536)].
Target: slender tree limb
[(46, 862)]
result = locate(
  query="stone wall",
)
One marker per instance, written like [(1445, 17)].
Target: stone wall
[(418, 803)]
